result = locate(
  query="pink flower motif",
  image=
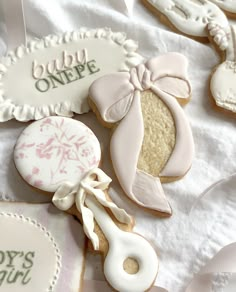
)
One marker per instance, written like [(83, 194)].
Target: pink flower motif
[(47, 121), (45, 150), (21, 155), (28, 177), (35, 170), (38, 183)]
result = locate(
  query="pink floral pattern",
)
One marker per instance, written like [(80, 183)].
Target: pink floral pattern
[(61, 147)]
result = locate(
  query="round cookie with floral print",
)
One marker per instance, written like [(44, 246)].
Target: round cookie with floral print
[(53, 149)]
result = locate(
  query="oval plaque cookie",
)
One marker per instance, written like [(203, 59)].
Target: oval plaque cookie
[(34, 255), (51, 76)]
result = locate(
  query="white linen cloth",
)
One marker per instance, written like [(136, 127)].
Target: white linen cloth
[(183, 250)]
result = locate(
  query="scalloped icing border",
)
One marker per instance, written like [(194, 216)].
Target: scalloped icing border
[(8, 110), (48, 235)]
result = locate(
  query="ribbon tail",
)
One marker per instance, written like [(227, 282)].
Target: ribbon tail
[(88, 226), (120, 214), (87, 217), (64, 197), (148, 192), (15, 22)]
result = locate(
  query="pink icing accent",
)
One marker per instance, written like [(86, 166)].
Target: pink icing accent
[(35, 170), (117, 97), (53, 150)]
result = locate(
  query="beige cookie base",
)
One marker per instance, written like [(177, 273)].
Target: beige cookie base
[(229, 14), (164, 19)]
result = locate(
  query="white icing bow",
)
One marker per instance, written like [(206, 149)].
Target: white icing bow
[(94, 183)]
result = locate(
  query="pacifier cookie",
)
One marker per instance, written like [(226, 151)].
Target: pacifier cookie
[(34, 255), (56, 71), (223, 77), (62, 156), (188, 17), (151, 139)]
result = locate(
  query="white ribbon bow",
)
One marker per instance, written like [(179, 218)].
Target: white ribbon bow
[(94, 183)]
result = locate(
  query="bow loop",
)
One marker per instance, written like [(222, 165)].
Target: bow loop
[(93, 184), (64, 197), (140, 77)]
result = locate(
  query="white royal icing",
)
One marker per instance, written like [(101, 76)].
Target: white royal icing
[(223, 80), (190, 16), (52, 150), (33, 253), (220, 35), (227, 5), (56, 72)]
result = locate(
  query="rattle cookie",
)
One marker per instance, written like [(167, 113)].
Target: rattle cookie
[(62, 156), (188, 17), (55, 72), (223, 77), (34, 255), (151, 139)]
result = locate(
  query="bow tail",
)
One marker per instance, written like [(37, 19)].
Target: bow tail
[(120, 214), (126, 144), (87, 217), (155, 197)]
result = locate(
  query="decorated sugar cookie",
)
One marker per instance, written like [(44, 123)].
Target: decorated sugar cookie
[(34, 255), (62, 156), (223, 78), (55, 72), (229, 6), (187, 16), (151, 141)]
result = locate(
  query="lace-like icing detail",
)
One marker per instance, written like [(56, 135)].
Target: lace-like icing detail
[(227, 101), (48, 236)]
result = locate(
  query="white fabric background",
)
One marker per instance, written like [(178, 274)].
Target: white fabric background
[(182, 249)]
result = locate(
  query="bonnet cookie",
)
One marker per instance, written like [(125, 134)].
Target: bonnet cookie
[(56, 72), (151, 139), (188, 17), (34, 255), (62, 156), (223, 77)]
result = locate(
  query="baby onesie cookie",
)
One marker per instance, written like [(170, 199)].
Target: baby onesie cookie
[(188, 17), (229, 6), (223, 78), (34, 255), (56, 71), (151, 140), (61, 156)]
